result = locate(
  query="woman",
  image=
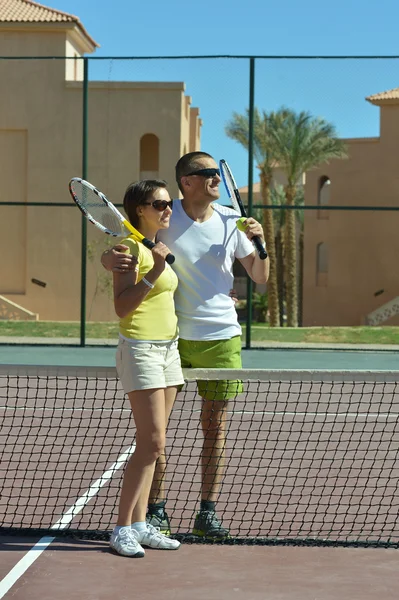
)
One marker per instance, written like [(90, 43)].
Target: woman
[(148, 361)]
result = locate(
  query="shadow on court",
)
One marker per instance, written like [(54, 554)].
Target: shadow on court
[(82, 569)]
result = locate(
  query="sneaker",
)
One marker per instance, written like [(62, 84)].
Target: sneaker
[(125, 543), (159, 520), (153, 538), (208, 525)]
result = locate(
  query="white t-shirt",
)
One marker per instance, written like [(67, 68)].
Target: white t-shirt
[(205, 253)]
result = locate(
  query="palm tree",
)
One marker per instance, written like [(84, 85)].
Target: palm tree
[(278, 199), (299, 142), (238, 129)]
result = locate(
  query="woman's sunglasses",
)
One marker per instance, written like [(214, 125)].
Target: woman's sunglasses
[(160, 205)]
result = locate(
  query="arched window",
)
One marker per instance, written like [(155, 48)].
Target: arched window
[(322, 264), (323, 196), (149, 156)]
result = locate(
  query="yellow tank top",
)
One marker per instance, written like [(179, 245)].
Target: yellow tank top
[(155, 317)]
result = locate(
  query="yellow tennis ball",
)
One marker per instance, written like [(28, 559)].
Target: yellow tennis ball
[(240, 223)]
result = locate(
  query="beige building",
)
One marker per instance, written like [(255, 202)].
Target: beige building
[(351, 274), (135, 130), (350, 267)]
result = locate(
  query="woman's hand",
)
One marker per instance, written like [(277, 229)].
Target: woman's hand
[(159, 253)]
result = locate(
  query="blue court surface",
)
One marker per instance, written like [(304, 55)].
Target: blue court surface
[(264, 358)]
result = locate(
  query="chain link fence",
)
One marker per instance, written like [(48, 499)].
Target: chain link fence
[(331, 220)]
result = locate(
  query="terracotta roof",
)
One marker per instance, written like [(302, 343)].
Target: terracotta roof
[(26, 11), (255, 189), (388, 97)]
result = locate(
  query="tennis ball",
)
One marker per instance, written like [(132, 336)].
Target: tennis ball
[(240, 223)]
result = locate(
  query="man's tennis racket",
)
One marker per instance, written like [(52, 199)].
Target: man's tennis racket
[(237, 203), (103, 214)]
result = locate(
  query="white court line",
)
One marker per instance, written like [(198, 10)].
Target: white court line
[(65, 409), (318, 414), (303, 414), (23, 565), (268, 413), (93, 490)]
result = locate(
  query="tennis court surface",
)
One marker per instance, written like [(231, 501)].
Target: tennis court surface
[(310, 492)]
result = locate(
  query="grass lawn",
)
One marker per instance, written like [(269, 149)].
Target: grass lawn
[(326, 335), (259, 332)]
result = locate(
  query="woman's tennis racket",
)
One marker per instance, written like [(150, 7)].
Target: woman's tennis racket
[(237, 203), (103, 214)]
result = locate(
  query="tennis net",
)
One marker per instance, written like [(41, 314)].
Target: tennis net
[(311, 456)]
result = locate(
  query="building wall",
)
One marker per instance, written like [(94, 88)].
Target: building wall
[(20, 40), (343, 278), (41, 149), (362, 246), (74, 66)]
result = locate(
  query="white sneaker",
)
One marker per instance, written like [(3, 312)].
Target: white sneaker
[(125, 543), (153, 538)]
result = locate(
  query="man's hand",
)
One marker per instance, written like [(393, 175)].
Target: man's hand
[(116, 260), (253, 228)]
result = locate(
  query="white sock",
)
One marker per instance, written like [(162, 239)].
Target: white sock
[(139, 526), (117, 529)]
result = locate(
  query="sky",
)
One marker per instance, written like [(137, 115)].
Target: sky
[(332, 89)]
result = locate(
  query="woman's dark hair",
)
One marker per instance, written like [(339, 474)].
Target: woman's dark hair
[(138, 193)]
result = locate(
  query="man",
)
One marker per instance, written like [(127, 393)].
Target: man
[(205, 240)]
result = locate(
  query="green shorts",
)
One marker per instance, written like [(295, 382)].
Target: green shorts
[(213, 354)]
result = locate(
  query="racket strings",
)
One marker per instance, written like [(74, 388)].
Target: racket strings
[(93, 204), (234, 202), (229, 183)]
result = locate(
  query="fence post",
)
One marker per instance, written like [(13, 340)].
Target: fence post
[(84, 220), (250, 187)]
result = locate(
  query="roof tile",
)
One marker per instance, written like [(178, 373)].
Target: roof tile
[(27, 11), (388, 96)]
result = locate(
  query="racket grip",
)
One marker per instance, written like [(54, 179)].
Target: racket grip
[(170, 259), (259, 247)]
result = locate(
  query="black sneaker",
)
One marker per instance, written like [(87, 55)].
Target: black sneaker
[(208, 525), (159, 519)]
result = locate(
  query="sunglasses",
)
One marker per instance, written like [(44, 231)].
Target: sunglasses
[(205, 173), (160, 205)]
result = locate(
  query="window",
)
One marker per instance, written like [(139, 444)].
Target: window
[(323, 197), (149, 156), (322, 264)]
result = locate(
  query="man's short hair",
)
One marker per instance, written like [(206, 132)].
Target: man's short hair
[(187, 163)]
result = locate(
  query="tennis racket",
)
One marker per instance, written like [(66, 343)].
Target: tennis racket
[(237, 203), (103, 214)]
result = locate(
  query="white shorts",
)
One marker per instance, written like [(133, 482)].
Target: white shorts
[(148, 365)]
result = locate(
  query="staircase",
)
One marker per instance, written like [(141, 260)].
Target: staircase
[(384, 312), (9, 311)]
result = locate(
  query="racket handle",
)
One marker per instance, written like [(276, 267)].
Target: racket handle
[(170, 259), (259, 247)]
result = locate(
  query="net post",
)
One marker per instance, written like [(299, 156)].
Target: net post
[(84, 221), (250, 188)]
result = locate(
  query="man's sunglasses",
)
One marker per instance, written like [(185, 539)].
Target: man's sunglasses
[(160, 205), (205, 173)]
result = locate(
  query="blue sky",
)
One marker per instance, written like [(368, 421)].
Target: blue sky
[(333, 89)]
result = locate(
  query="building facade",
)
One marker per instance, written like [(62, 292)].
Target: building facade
[(350, 267), (349, 274), (135, 130)]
